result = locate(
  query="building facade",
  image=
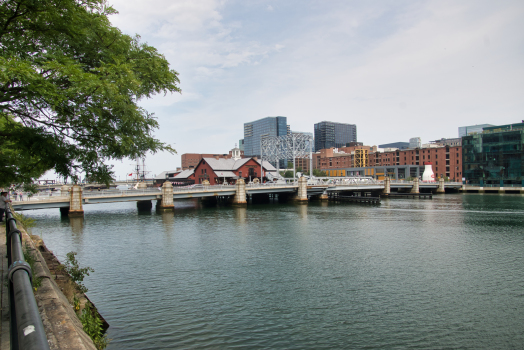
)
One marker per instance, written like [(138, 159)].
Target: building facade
[(398, 164), (495, 156), (255, 131), (331, 134), (415, 142), (399, 145), (472, 129), (191, 160), (226, 171)]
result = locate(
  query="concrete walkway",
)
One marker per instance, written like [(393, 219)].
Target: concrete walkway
[(4, 293)]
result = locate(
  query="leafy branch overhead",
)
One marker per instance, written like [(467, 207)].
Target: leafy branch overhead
[(69, 87)]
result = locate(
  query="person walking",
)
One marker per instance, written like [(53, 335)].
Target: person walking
[(3, 202)]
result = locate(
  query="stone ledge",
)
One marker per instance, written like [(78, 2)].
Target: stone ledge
[(61, 324)]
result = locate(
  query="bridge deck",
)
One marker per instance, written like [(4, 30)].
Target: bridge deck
[(199, 191)]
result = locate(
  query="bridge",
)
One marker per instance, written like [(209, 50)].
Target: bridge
[(71, 200)]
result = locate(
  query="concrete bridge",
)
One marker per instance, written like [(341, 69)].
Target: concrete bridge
[(71, 200)]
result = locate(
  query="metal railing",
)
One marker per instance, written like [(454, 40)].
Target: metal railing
[(27, 330)]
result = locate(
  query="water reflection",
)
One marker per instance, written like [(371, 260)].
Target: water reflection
[(77, 226), (302, 211), (168, 221), (240, 215)]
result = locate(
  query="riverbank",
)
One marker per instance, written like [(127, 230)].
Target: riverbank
[(61, 324)]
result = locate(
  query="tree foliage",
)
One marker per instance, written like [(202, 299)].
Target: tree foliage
[(69, 87)]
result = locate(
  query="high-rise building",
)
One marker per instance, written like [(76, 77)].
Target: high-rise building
[(330, 134), (255, 131), (466, 130)]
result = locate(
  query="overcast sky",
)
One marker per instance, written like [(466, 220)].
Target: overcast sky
[(396, 69)]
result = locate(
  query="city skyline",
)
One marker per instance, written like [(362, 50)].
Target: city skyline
[(400, 70)]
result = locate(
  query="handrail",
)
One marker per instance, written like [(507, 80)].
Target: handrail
[(27, 330)]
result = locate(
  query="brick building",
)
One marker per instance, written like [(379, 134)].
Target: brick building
[(191, 160), (219, 170), (446, 162)]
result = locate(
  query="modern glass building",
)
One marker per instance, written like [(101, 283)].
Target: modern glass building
[(466, 130), (257, 130), (330, 134), (494, 157)]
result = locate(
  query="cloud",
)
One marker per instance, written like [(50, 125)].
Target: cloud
[(396, 70)]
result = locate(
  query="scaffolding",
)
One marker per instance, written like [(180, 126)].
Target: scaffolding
[(294, 145)]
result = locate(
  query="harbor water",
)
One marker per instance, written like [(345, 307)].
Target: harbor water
[(441, 273)]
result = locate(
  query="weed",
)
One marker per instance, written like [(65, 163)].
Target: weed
[(92, 325), (76, 272), (76, 304), (31, 260), (26, 222)]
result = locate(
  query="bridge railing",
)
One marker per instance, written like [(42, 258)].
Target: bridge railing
[(27, 330), (38, 197), (270, 185)]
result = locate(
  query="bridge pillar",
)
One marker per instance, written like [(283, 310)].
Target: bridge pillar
[(441, 188), (75, 202), (323, 197), (387, 186), (415, 188), (240, 197), (166, 203), (301, 196), (64, 191)]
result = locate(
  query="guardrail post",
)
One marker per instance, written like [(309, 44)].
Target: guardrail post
[(239, 199), (166, 203), (441, 188), (415, 188), (75, 202)]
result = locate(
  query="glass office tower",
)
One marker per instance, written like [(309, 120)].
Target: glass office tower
[(257, 130), (494, 157), (330, 134)]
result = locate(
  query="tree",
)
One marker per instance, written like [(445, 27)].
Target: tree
[(69, 87), (319, 173)]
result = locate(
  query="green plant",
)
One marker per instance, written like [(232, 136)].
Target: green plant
[(26, 222), (31, 260), (92, 325), (319, 173), (76, 304), (76, 272)]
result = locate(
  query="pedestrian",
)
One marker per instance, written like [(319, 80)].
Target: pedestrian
[(3, 203)]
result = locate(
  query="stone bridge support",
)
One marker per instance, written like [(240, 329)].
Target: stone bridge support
[(239, 199), (387, 186), (301, 196), (75, 202), (415, 188), (441, 188), (323, 197), (166, 203)]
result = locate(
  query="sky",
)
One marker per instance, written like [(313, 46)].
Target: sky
[(397, 69)]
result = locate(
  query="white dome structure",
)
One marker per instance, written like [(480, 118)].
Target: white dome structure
[(428, 172)]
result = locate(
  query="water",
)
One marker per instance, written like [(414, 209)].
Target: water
[(446, 273)]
